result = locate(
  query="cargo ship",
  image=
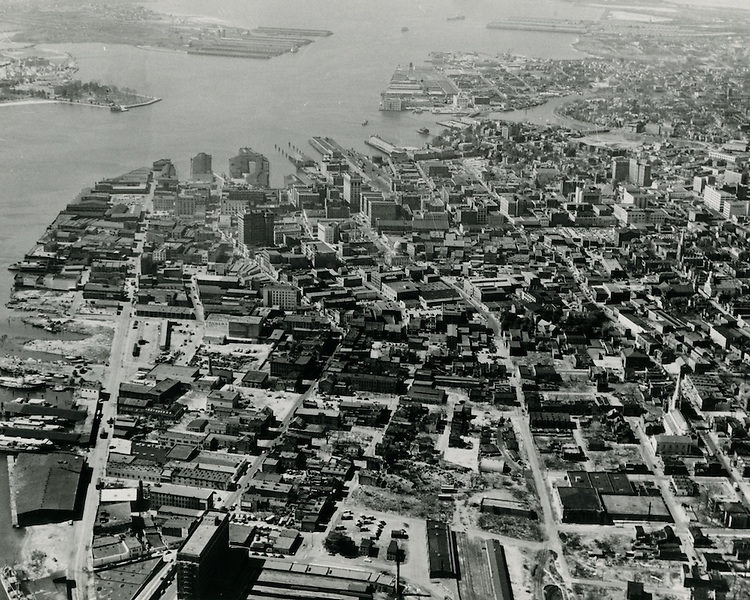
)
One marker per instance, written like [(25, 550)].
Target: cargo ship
[(456, 18)]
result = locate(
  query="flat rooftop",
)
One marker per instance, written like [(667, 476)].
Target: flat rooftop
[(200, 539)]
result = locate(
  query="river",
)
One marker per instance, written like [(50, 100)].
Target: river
[(217, 104)]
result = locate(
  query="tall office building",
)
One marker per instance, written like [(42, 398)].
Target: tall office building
[(201, 558), (639, 172), (201, 167), (251, 166), (620, 169), (353, 191), (256, 228)]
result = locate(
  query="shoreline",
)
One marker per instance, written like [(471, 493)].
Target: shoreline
[(37, 101)]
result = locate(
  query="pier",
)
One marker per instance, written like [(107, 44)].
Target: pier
[(298, 158), (12, 491), (377, 142)]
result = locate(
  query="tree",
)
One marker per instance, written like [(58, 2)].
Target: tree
[(340, 543)]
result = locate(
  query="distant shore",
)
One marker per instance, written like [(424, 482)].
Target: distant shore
[(32, 101)]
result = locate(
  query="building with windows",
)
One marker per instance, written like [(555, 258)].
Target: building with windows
[(182, 496), (352, 191), (620, 169), (639, 173), (328, 232), (200, 167), (256, 228), (251, 166), (284, 296), (202, 556)]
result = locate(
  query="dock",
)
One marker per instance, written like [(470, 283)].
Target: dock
[(148, 102), (377, 142), (326, 146), (547, 25), (295, 156), (292, 31)]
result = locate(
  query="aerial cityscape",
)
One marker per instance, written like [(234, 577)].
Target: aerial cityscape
[(375, 301)]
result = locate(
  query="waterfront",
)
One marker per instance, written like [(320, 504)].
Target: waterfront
[(12, 538), (217, 104)]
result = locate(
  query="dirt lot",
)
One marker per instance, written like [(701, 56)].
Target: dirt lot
[(611, 459), (603, 557), (94, 348), (422, 504), (517, 487)]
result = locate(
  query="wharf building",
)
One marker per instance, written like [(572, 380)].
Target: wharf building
[(46, 487), (251, 166), (201, 168)]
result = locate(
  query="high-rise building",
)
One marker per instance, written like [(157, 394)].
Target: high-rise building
[(202, 556), (639, 172), (201, 167), (256, 228), (328, 232), (620, 169), (251, 166), (353, 191)]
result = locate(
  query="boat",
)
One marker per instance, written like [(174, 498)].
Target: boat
[(21, 383), (456, 18), (11, 584), (423, 131), (404, 29), (365, 123)]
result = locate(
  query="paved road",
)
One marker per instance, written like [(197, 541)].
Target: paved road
[(82, 566), (521, 423), (681, 521)]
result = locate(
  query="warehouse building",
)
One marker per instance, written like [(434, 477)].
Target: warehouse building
[(46, 487)]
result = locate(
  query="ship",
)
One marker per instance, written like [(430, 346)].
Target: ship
[(11, 584), (456, 18), (365, 123), (423, 131), (21, 383), (404, 29), (118, 108)]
